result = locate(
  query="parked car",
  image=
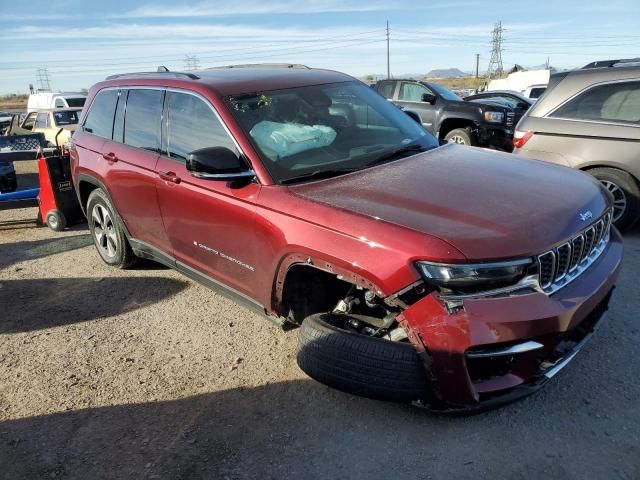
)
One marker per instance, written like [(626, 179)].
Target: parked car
[(5, 122), (48, 100), (8, 179), (589, 119), (57, 125), (534, 91), (448, 117), (418, 272)]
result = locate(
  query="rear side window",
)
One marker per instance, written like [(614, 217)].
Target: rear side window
[(612, 102), (192, 125), (59, 103), (386, 89), (142, 120), (537, 92), (100, 117)]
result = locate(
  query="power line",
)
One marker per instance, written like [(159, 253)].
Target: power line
[(263, 44), (495, 63)]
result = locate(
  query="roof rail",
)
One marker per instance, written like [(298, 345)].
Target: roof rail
[(611, 63), (162, 71), (263, 65)]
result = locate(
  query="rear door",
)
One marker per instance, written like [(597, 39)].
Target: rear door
[(130, 161), (410, 97), (210, 223)]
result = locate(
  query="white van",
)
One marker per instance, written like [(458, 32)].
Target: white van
[(47, 100)]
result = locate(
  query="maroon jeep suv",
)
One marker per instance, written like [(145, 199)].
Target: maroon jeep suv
[(450, 277)]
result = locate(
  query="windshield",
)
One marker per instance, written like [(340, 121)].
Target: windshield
[(65, 117), (444, 92), (326, 129)]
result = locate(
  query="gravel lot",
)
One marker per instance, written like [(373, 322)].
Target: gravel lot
[(146, 374)]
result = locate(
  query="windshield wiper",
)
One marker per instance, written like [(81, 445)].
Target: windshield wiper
[(398, 153), (317, 175)]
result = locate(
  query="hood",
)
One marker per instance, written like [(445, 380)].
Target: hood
[(489, 205)]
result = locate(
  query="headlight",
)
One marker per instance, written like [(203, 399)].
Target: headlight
[(494, 117), (474, 277)]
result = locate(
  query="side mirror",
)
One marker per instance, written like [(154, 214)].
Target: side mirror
[(218, 163), (428, 98), (415, 116)]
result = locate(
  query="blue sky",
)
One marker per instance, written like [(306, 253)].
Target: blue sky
[(81, 42)]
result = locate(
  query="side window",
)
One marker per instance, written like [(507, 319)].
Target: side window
[(29, 121), (59, 103), (386, 89), (42, 120), (100, 117), (192, 125), (118, 123), (614, 102), (412, 92), (142, 120)]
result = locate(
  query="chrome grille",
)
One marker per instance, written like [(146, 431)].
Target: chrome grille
[(510, 117), (561, 265)]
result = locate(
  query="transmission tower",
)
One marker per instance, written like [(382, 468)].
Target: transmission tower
[(495, 63), (42, 74), (191, 62)]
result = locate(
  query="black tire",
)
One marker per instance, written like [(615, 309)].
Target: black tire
[(626, 195), (56, 220), (358, 364), (108, 235), (461, 136)]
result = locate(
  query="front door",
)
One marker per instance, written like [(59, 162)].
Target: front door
[(410, 97), (210, 223)]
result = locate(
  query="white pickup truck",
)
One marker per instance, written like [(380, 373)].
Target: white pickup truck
[(48, 100)]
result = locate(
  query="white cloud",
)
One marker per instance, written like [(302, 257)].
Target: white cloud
[(214, 9)]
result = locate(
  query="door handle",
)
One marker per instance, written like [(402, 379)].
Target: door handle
[(110, 157), (170, 177)]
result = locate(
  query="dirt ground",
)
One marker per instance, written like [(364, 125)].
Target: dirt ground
[(146, 374)]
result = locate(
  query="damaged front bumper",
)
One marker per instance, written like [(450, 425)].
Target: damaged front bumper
[(497, 350)]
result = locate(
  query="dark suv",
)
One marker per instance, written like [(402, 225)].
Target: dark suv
[(415, 275), (448, 117)]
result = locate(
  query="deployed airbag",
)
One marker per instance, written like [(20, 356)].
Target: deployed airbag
[(278, 140)]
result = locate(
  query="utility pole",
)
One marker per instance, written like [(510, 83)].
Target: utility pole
[(388, 61), (42, 74), (477, 63), (495, 63)]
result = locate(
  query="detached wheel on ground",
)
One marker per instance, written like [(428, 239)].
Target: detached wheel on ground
[(461, 136), (108, 237), (359, 364), (56, 220), (626, 195)]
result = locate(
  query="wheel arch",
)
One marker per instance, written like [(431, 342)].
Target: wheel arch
[(298, 271), (451, 123), (87, 184)]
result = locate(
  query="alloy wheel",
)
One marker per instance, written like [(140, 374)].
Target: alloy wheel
[(457, 139), (104, 231), (619, 199)]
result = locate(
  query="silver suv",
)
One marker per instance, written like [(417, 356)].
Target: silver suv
[(590, 119)]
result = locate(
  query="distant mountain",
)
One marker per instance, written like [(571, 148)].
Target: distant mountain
[(445, 73)]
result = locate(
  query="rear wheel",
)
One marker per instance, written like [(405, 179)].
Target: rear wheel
[(360, 364), (625, 192), (461, 136), (108, 235)]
